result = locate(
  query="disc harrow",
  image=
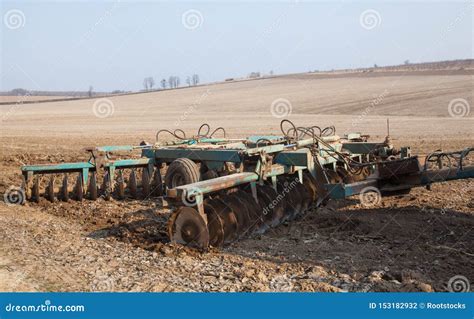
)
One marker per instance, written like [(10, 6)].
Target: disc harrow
[(224, 189)]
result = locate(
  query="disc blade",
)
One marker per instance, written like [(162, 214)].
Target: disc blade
[(132, 184), (228, 218), (310, 184), (277, 205), (50, 189), (78, 189), (120, 185), (93, 186), (239, 211), (146, 182), (157, 183), (189, 229), (215, 224), (35, 193), (255, 220), (106, 186), (64, 189)]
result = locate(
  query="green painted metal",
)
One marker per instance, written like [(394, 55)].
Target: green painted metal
[(299, 157), (63, 167), (360, 147), (114, 148), (213, 185), (167, 155), (127, 163)]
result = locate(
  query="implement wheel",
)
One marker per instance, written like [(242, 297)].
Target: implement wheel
[(182, 171)]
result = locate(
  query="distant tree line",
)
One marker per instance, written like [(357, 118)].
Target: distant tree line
[(173, 82)]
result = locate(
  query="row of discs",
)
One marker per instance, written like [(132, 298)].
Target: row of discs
[(237, 214)]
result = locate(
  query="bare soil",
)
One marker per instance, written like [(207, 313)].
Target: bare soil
[(415, 242)]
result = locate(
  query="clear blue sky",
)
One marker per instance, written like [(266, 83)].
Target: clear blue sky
[(66, 45)]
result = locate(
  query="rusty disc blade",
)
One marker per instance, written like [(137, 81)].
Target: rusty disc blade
[(120, 185), (310, 184), (64, 189), (228, 218), (35, 191), (277, 204), (243, 211), (298, 199), (231, 202), (294, 204), (215, 224), (132, 184), (290, 204), (346, 176), (146, 182), (305, 196), (50, 189), (106, 186), (266, 213), (78, 188), (93, 186), (253, 208), (189, 228), (333, 177)]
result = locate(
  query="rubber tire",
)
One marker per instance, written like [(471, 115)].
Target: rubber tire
[(186, 169)]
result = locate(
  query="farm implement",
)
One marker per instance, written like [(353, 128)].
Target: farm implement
[(221, 189)]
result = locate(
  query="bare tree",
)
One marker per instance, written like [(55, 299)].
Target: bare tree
[(406, 62), (163, 84), (173, 81), (91, 91), (151, 82), (188, 81), (254, 75), (195, 79), (178, 81), (148, 83)]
